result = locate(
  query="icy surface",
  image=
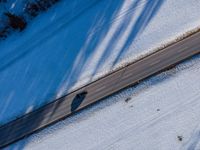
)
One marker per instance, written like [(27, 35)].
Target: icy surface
[(162, 114), (77, 41)]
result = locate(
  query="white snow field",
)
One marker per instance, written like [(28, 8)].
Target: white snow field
[(78, 41), (162, 114)]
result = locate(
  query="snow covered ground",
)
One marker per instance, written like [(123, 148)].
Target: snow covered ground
[(77, 41), (162, 114)]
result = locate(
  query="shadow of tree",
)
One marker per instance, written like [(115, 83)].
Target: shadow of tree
[(78, 99), (149, 11), (94, 33)]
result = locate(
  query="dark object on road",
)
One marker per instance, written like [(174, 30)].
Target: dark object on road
[(16, 22), (78, 100)]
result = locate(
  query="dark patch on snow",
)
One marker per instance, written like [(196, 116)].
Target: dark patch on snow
[(16, 22), (11, 21), (127, 99), (180, 138)]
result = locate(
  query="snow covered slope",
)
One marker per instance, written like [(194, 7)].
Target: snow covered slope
[(77, 41), (161, 114)]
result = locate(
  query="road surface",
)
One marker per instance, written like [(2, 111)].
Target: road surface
[(95, 91)]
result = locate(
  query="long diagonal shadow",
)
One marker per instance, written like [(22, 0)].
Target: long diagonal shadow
[(149, 11), (74, 71), (147, 14), (117, 35)]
